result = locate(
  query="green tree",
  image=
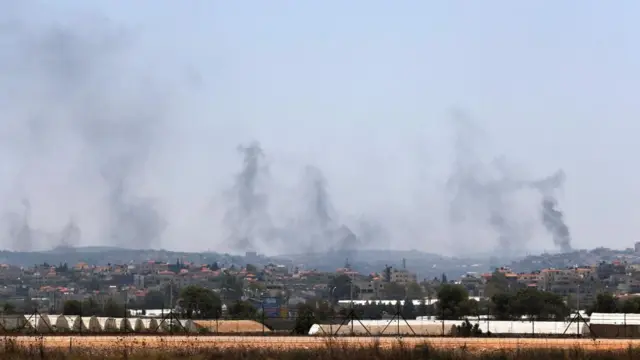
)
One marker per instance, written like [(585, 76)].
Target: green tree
[(497, 284), (8, 309), (452, 301), (90, 307), (501, 306), (340, 288), (424, 309), (395, 291), (252, 269), (371, 311), (199, 302), (231, 287), (631, 305), (62, 268), (470, 307), (529, 302), (408, 309), (154, 300), (554, 307), (415, 291), (242, 310), (113, 309), (304, 320), (605, 303), (72, 307)]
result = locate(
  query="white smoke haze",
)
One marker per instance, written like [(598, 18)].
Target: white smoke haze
[(103, 144), (495, 197)]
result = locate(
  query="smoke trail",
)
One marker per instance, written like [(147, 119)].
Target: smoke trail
[(481, 192), (20, 231), (246, 218), (554, 222), (89, 94), (321, 223), (311, 230), (484, 193), (134, 221), (552, 217), (319, 208), (70, 236)]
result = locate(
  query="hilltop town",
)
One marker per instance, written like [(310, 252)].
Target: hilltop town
[(278, 290)]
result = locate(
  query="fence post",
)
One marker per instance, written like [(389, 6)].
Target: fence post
[(442, 321), (398, 315)]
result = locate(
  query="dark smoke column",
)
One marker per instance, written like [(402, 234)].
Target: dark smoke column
[(246, 218), (20, 231), (552, 217), (553, 220)]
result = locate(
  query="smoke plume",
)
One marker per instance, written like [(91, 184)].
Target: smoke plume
[(552, 217), (321, 221), (319, 208), (247, 219), (70, 236), (91, 112), (19, 228), (483, 193), (133, 220), (95, 124), (494, 191)]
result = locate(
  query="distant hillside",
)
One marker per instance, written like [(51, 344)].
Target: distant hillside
[(426, 265), (105, 255)]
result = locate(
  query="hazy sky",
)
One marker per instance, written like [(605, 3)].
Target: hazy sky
[(361, 89)]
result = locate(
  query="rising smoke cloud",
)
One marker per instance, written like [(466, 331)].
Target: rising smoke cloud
[(77, 94), (321, 219), (488, 193), (482, 192), (86, 114), (247, 219), (20, 230), (70, 236), (552, 217)]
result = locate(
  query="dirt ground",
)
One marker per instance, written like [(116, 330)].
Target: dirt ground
[(275, 342)]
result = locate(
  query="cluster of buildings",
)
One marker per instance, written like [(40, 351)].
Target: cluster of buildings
[(47, 287), (579, 285)]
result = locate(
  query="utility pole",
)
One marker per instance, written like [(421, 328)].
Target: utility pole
[(171, 295), (350, 293), (578, 310)]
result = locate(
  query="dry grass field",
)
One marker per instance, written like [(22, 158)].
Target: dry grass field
[(305, 342), (310, 348)]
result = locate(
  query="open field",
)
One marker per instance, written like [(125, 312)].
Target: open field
[(135, 342), (310, 348)]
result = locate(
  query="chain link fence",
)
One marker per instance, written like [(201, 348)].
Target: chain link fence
[(308, 323)]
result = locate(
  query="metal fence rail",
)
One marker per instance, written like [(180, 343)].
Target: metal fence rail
[(343, 325)]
